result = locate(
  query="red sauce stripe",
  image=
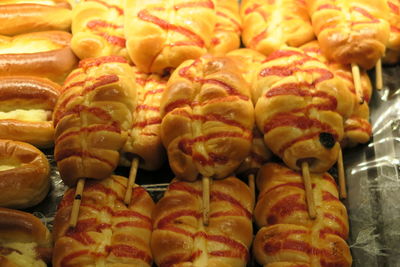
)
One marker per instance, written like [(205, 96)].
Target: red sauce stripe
[(393, 7), (196, 4), (131, 214), (125, 251), (101, 81), (167, 220), (153, 92), (230, 19), (234, 245), (329, 179), (286, 207), (147, 107), (273, 247), (173, 259), (290, 184), (220, 196), (146, 16), (149, 121), (299, 139), (117, 8), (177, 104), (258, 38), (82, 154), (96, 111), (228, 88), (233, 213), (228, 254), (65, 261), (90, 129), (328, 6), (394, 29), (95, 62), (327, 196), (182, 186), (113, 39), (282, 54), (177, 230), (73, 75), (95, 24), (364, 12), (336, 219)]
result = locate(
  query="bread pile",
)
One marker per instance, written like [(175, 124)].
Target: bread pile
[(165, 80)]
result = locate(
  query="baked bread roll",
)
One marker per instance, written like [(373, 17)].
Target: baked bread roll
[(179, 237), (98, 29), (227, 28), (392, 53), (24, 175), (161, 34), (144, 140), (269, 25), (19, 16), (26, 106), (351, 31), (108, 233), (92, 118), (24, 240), (287, 234), (357, 129), (41, 54), (207, 118), (301, 109)]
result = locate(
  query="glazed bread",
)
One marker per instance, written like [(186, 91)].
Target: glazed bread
[(24, 175), (287, 234), (357, 129), (392, 53), (92, 118), (207, 118), (41, 54), (269, 25), (144, 140), (26, 106), (227, 29), (301, 107), (98, 29), (161, 34), (258, 156), (351, 31), (108, 232), (24, 240), (19, 16), (179, 237)]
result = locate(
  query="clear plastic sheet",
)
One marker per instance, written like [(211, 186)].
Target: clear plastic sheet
[(373, 182)]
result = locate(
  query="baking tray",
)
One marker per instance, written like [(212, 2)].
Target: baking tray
[(373, 182)]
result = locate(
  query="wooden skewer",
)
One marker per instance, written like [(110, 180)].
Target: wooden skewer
[(357, 82), (73, 219), (131, 181), (342, 178), (378, 75), (206, 200), (252, 187), (308, 188)]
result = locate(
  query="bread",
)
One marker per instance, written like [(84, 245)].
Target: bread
[(357, 129), (24, 240), (108, 232), (144, 140), (41, 54), (92, 118), (351, 31), (269, 25), (227, 28), (207, 118), (98, 29), (392, 53), (26, 105), (24, 175), (18, 16), (287, 233), (301, 109), (179, 237), (161, 34)]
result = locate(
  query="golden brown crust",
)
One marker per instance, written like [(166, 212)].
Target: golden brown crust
[(361, 39), (288, 234), (300, 109), (357, 129), (162, 34), (19, 93), (54, 59), (106, 227), (98, 29), (207, 118), (179, 236), (144, 140), (26, 181), (92, 118), (227, 28), (17, 18), (392, 53), (269, 25)]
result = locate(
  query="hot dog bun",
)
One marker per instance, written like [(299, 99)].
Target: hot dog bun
[(24, 240), (26, 104), (24, 175), (42, 54)]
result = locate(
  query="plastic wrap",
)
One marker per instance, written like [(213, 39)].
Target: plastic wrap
[(373, 183)]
